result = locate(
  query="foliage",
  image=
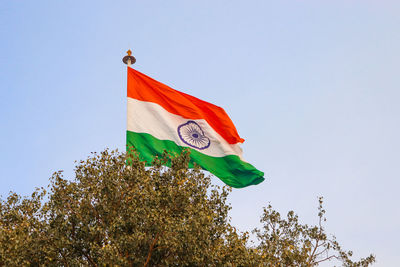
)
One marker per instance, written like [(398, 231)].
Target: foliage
[(287, 242), (113, 214)]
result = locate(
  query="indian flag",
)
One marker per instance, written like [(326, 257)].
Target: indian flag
[(161, 118)]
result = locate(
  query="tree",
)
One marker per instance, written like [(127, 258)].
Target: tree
[(287, 242), (115, 214)]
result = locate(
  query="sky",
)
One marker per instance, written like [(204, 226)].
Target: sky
[(313, 86)]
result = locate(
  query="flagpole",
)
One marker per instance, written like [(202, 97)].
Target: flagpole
[(129, 59)]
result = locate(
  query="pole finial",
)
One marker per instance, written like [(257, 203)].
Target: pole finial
[(129, 59)]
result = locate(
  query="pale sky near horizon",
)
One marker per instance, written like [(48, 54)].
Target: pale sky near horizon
[(313, 87)]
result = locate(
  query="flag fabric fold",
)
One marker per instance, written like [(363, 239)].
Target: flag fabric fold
[(160, 118)]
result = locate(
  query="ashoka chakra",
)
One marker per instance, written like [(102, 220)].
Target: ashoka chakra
[(192, 135)]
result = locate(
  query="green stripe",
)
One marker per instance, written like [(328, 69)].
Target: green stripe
[(230, 169)]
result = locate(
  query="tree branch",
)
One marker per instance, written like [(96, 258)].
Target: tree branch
[(328, 258), (90, 259), (151, 249)]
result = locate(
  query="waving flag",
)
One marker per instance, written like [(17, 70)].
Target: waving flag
[(161, 118)]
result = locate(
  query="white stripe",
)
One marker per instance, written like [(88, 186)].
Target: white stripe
[(151, 118)]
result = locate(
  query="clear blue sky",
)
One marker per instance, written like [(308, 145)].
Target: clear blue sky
[(313, 86)]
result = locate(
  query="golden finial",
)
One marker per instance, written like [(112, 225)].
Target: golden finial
[(129, 59)]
